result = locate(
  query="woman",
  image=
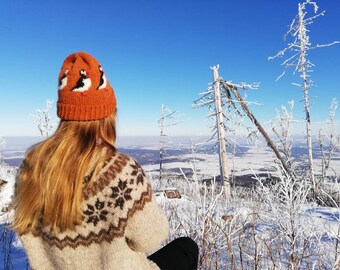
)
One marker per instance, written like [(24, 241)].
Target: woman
[(79, 203)]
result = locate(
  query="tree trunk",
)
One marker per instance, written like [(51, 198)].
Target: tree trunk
[(221, 132), (161, 144), (309, 135), (303, 70)]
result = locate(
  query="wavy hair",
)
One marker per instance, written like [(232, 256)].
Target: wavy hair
[(50, 181)]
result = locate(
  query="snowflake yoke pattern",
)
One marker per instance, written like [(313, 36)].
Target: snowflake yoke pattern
[(119, 190)]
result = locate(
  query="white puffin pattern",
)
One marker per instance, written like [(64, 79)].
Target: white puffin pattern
[(63, 80), (84, 82), (103, 80)]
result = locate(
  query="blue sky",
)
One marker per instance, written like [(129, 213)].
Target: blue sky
[(159, 52)]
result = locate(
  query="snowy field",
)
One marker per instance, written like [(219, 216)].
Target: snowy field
[(200, 203), (248, 158)]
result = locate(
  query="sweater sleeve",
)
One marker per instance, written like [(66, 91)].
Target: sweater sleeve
[(148, 228)]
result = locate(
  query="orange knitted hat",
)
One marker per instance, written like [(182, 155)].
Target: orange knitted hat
[(84, 93)]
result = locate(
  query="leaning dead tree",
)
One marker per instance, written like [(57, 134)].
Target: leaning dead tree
[(166, 120), (299, 48), (227, 117), (225, 94), (232, 88)]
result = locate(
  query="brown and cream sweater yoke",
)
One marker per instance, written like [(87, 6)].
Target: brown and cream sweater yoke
[(121, 223)]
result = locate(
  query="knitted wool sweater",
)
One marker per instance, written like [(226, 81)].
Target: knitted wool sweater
[(121, 222)]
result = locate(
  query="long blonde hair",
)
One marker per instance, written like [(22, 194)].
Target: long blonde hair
[(50, 180)]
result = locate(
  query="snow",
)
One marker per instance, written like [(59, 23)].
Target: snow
[(327, 218), (7, 174), (256, 159), (202, 207)]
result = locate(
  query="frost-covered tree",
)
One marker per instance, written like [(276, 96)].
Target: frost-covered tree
[(44, 120), (299, 48), (2, 143), (329, 140), (214, 99), (194, 146), (167, 119), (282, 127)]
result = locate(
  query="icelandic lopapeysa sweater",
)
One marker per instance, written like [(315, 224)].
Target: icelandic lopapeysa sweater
[(121, 222)]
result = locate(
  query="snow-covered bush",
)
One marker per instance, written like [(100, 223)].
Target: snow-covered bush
[(274, 227), (282, 128), (7, 179), (329, 142), (293, 231), (1, 149)]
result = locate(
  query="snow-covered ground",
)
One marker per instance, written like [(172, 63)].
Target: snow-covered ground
[(194, 207), (7, 174)]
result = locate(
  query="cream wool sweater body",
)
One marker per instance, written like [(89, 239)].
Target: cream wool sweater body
[(121, 223)]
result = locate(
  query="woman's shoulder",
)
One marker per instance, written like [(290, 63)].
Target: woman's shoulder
[(119, 170), (121, 163)]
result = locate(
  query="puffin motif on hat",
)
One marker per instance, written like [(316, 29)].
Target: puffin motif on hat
[(81, 85), (103, 80), (84, 82), (63, 81)]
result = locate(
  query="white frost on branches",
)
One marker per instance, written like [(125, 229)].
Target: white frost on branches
[(2, 144), (301, 43), (167, 119), (286, 202), (329, 140), (7, 180), (282, 128), (227, 117), (44, 120), (299, 48), (232, 111)]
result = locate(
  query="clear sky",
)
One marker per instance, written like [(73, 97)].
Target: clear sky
[(159, 52)]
